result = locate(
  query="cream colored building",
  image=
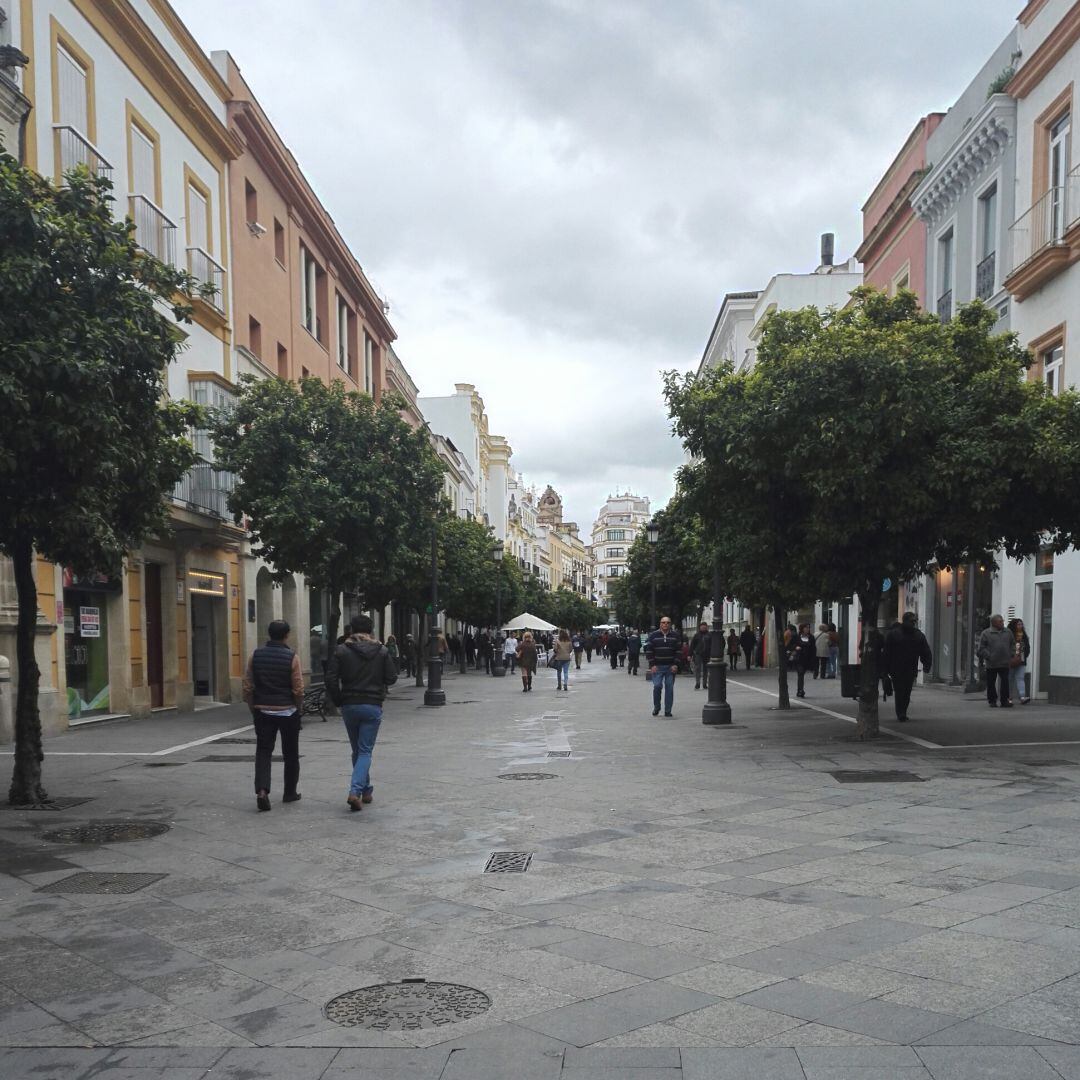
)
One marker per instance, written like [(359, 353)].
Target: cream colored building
[(616, 527)]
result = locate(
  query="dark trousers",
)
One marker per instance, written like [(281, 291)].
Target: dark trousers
[(577, 659), (822, 665), (266, 733), (632, 664), (800, 671), (996, 676), (749, 653), (588, 655), (614, 658), (902, 685), (733, 661), (512, 657)]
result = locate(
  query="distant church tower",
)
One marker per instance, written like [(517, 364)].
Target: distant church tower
[(550, 511)]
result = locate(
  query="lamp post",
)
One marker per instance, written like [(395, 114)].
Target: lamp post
[(434, 694), (498, 668), (716, 710), (652, 531)]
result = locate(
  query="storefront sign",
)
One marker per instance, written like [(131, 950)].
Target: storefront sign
[(206, 583), (179, 590), (89, 622), (91, 582)]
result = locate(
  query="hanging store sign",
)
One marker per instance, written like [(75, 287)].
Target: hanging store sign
[(206, 583), (89, 622)]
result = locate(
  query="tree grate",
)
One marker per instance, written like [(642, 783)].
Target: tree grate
[(558, 753), (101, 883), (52, 804), (876, 776), (409, 1005), (527, 776), (508, 862), (108, 832)]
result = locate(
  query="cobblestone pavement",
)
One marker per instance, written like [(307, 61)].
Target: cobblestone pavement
[(701, 902)]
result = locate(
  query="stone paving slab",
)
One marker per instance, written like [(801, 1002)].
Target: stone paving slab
[(701, 902)]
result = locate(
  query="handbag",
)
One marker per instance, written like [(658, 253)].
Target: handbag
[(552, 662), (1016, 660)]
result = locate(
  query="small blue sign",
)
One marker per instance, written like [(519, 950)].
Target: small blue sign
[(886, 585)]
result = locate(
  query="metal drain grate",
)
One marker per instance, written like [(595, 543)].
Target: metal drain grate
[(407, 1006), (508, 862), (52, 804), (558, 753), (527, 776), (875, 776), (108, 832), (107, 884)]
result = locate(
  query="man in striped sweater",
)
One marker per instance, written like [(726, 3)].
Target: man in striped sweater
[(662, 652)]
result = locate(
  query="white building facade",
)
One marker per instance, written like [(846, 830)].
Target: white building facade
[(616, 527)]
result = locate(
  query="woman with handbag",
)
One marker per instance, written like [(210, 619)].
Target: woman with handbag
[(561, 655), (526, 658), (1018, 662)]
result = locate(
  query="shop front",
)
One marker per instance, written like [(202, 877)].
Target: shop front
[(207, 591), (87, 602)]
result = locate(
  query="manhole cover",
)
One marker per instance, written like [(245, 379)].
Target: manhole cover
[(558, 753), (101, 883), (875, 776), (527, 776), (108, 832), (508, 862), (52, 804), (407, 1005)]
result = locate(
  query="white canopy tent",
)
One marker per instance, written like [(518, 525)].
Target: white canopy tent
[(526, 621)]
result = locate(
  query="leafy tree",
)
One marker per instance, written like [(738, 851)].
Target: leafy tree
[(336, 486), (877, 442), (87, 328), (627, 600)]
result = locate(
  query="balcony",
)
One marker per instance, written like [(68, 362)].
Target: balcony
[(206, 490), (985, 276), (73, 148), (1040, 250), (207, 271), (154, 232), (944, 306)]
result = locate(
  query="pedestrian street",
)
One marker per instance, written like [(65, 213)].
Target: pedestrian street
[(667, 899)]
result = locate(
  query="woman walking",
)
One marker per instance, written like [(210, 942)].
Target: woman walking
[(821, 648), (733, 648), (526, 658), (564, 653), (804, 653), (1018, 662)]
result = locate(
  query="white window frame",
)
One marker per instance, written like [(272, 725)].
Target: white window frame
[(343, 333), (369, 363), (308, 291), (1056, 367)]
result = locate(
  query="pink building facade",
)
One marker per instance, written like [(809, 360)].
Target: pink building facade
[(893, 251)]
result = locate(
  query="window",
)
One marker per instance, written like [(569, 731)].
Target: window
[(73, 91), (255, 336), (369, 364), (946, 250), (616, 534), (615, 553), (308, 291), (613, 571), (279, 242), (304, 373), (1058, 172), (198, 222), (988, 222), (251, 203), (143, 163), (282, 361), (1053, 366), (344, 346)]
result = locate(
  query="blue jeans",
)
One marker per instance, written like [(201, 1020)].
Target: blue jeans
[(663, 680), (562, 672), (834, 657), (362, 723)]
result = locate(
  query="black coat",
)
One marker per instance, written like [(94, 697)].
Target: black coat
[(905, 648), (804, 652)]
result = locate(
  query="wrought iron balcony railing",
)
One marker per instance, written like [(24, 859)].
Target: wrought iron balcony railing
[(986, 276), (1072, 199), (74, 148), (206, 489), (944, 306), (1042, 226), (154, 232), (207, 271)]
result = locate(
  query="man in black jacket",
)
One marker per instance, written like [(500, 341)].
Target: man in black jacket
[(662, 652), (905, 647), (356, 679), (747, 639), (699, 653)]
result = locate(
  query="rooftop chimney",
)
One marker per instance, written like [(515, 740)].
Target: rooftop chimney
[(828, 248)]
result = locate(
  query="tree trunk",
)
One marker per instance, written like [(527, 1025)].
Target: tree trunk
[(422, 649), (781, 654), (869, 657), (26, 786)]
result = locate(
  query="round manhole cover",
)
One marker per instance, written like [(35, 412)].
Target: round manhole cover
[(107, 832), (528, 776), (407, 1005)]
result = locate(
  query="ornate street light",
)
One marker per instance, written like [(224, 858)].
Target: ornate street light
[(434, 694), (652, 531), (498, 668), (716, 710)]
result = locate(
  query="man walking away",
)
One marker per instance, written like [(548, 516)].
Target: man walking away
[(802, 653), (589, 643), (633, 652), (747, 640), (699, 653), (578, 644), (905, 648), (357, 677), (996, 647), (274, 691), (661, 650)]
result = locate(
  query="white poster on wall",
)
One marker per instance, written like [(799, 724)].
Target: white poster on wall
[(89, 622)]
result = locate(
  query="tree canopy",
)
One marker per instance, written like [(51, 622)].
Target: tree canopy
[(91, 443)]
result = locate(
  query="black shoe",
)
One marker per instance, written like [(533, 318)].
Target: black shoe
[(800, 693), (1006, 704), (656, 712), (901, 719), (697, 686), (667, 714), (262, 802), (992, 704), (295, 797)]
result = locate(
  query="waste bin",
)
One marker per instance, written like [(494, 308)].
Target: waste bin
[(849, 680)]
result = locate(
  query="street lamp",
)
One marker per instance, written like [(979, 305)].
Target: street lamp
[(498, 668), (652, 531), (716, 710), (434, 694)]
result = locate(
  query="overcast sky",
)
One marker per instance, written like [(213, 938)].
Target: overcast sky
[(554, 195)]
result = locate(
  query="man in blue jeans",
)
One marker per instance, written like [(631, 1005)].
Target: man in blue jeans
[(356, 679), (662, 652)]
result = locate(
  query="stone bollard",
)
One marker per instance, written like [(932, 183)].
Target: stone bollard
[(7, 705)]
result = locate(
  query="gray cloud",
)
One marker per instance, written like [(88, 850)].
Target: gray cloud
[(556, 194)]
